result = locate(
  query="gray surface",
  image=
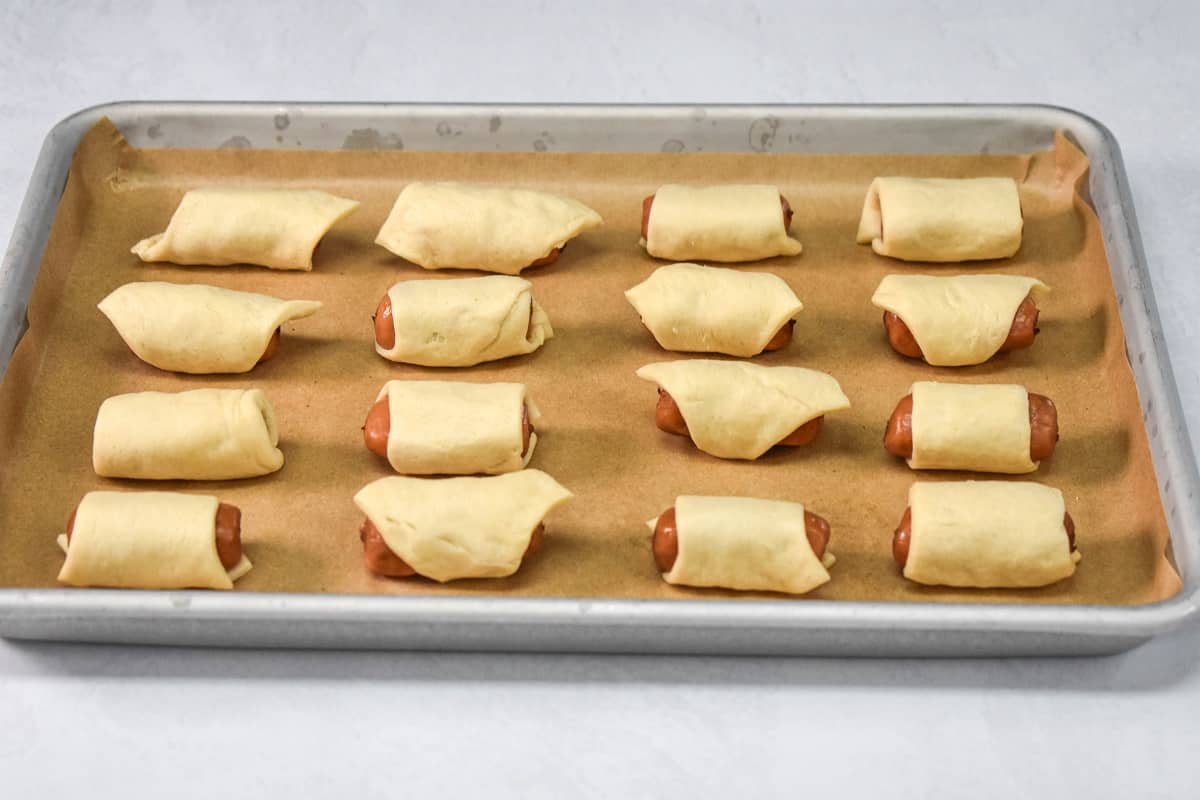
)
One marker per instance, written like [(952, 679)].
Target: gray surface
[(498, 623), (322, 725)]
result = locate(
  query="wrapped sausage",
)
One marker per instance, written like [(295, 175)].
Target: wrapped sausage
[(459, 322), (692, 308), (202, 434), (199, 329), (942, 219), (151, 540), (490, 228), (729, 223), (219, 226)]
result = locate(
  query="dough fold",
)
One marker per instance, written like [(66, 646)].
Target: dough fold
[(988, 534), (942, 219), (490, 228), (146, 540), (745, 543), (457, 428), (734, 222), (219, 226), (739, 410), (198, 329), (984, 428), (692, 308), (202, 434), (452, 528), (957, 320), (461, 322)]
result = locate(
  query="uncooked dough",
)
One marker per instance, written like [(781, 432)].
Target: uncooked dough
[(201, 434), (692, 308), (490, 228), (734, 222), (957, 320), (218, 226), (451, 528), (738, 410), (980, 427), (198, 329), (942, 219)]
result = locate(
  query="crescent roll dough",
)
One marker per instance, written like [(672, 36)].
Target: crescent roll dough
[(988, 534), (960, 319), (453, 528), (457, 428), (276, 228), (976, 427), (690, 308), (942, 219), (735, 222), (465, 321), (198, 329), (202, 434), (490, 228), (745, 543), (146, 540), (739, 410)]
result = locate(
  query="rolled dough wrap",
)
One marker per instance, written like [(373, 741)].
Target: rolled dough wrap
[(457, 428), (202, 434), (453, 528), (146, 540), (465, 321), (736, 222), (739, 410), (988, 534), (691, 308), (198, 329), (984, 428), (490, 228), (942, 219), (745, 543), (276, 228), (960, 319)]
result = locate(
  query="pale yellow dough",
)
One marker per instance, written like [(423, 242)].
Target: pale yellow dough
[(988, 534), (202, 434), (692, 308), (984, 428), (276, 228), (734, 222), (942, 219), (452, 528), (490, 228), (738, 410), (461, 322), (745, 543), (457, 428), (957, 320), (146, 540), (198, 329)]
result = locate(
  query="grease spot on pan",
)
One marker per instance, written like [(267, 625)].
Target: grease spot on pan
[(494, 124), (372, 139), (237, 142), (672, 146), (762, 134), (282, 121), (154, 131)]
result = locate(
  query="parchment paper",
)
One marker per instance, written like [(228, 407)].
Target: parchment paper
[(598, 438)]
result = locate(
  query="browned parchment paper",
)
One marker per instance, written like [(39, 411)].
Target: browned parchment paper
[(599, 439)]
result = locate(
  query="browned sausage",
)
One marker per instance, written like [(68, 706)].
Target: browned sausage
[(666, 537), (649, 201), (1043, 428), (385, 329), (272, 347), (228, 533), (379, 425), (380, 559), (782, 337), (549, 258), (902, 538), (1020, 335), (668, 418)]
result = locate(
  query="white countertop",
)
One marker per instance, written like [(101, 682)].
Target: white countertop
[(123, 722)]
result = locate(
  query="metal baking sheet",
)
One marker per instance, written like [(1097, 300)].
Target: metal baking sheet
[(498, 623)]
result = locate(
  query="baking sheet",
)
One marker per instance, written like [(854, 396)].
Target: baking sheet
[(300, 525)]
